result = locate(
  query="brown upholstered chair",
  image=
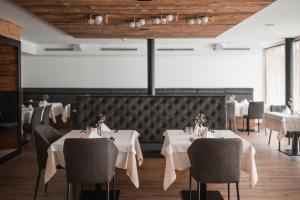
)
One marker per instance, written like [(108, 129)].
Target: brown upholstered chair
[(255, 111), (93, 164), (44, 136), (36, 120), (231, 115), (216, 161), (46, 113)]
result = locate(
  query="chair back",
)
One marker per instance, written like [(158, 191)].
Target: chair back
[(46, 113), (277, 108), (36, 119), (90, 160), (216, 160), (230, 110), (256, 110), (44, 136)]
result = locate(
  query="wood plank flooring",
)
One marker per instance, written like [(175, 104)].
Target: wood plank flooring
[(279, 177)]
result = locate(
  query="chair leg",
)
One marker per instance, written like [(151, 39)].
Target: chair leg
[(229, 121), (114, 187), (37, 183), (198, 190), (74, 191), (46, 186), (279, 146), (270, 137), (248, 126), (228, 190), (258, 126), (234, 124), (289, 140), (68, 191), (237, 191), (107, 191), (190, 187)]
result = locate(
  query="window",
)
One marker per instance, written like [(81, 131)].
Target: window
[(275, 75), (296, 76)]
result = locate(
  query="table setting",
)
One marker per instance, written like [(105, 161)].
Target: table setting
[(283, 123), (177, 142), (129, 155)]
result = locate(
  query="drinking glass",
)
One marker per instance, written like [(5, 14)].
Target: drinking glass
[(189, 129)]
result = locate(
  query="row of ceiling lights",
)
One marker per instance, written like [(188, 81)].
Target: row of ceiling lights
[(98, 20)]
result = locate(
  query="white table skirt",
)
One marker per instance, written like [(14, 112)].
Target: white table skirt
[(56, 110), (66, 113), (282, 123), (126, 141), (175, 148), (241, 109)]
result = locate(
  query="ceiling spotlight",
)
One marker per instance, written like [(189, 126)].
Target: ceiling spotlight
[(198, 20), (169, 18), (91, 21), (132, 24), (156, 21), (142, 22), (191, 21), (205, 19), (163, 20), (98, 19)]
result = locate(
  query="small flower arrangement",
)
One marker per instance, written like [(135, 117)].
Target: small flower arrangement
[(45, 97), (200, 119), (101, 119)]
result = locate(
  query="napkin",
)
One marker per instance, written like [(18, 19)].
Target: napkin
[(29, 108), (287, 111), (104, 127), (43, 103), (93, 134), (245, 101)]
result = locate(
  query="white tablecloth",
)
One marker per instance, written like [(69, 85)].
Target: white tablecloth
[(56, 110), (241, 109), (66, 113), (282, 123), (175, 148), (126, 141)]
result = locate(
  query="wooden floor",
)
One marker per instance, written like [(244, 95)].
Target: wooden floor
[(279, 177)]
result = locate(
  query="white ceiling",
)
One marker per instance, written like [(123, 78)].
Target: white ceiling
[(284, 14)]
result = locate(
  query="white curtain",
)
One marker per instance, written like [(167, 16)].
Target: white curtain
[(296, 74), (275, 75)]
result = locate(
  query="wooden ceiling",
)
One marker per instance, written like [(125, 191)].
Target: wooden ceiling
[(71, 16)]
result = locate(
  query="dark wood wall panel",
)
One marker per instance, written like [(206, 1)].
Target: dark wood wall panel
[(8, 67)]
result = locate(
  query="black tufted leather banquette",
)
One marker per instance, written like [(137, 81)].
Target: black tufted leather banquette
[(150, 115)]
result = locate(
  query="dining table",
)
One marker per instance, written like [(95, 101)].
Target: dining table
[(57, 109), (177, 142), (129, 155), (284, 123)]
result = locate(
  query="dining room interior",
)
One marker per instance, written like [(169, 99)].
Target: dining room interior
[(148, 99)]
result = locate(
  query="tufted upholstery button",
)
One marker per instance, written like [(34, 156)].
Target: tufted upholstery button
[(150, 115)]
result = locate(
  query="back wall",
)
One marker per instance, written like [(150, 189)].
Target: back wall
[(214, 69)]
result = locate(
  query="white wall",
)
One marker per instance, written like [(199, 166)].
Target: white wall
[(204, 70)]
